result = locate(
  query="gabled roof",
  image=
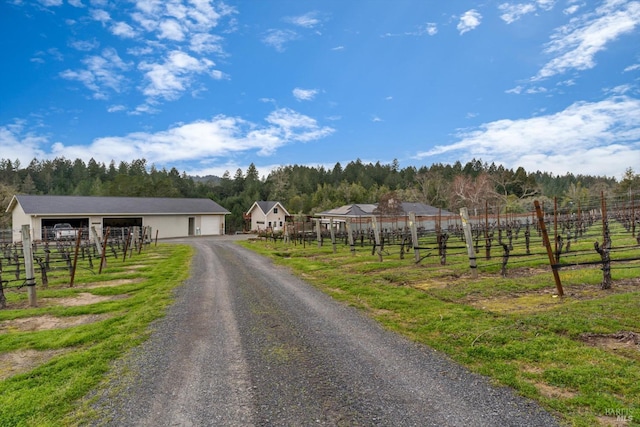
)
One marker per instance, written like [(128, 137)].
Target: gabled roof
[(267, 206), (422, 209), (90, 205), (351, 210), (361, 209)]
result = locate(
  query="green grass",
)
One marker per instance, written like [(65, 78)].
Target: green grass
[(50, 392), (513, 329)]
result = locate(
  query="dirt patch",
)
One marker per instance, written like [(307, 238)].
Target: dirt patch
[(619, 340), (546, 299), (83, 298), (111, 283), (46, 322), (554, 392), (433, 284), (523, 303), (613, 422), (20, 361)]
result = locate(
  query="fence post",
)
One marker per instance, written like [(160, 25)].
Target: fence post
[(3, 299), (466, 227), (376, 236), (547, 244), (96, 240), (352, 244), (318, 233), (28, 265), (414, 235), (75, 259), (333, 235)]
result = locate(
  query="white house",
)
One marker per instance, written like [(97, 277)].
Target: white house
[(169, 217), (267, 215)]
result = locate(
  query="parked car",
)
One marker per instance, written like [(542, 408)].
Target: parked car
[(64, 231)]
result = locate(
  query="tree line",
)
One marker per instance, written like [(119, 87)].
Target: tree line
[(306, 190)]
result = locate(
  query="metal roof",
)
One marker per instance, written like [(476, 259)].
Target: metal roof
[(90, 205), (361, 209)]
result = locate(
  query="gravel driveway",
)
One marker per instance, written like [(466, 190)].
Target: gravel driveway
[(248, 344)]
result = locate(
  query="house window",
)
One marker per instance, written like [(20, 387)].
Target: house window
[(280, 223), (275, 210)]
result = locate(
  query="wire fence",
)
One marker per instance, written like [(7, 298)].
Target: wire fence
[(599, 233), (26, 263)]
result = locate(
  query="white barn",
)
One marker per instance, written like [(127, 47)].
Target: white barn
[(170, 217)]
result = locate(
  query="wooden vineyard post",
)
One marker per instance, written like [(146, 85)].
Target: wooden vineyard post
[(127, 243), (3, 299), (487, 242), (318, 233), (144, 235), (555, 229), (75, 258), (466, 227), (333, 235), (376, 236), (547, 244), (96, 240), (414, 235), (29, 271), (304, 237), (352, 244), (633, 217), (103, 255)]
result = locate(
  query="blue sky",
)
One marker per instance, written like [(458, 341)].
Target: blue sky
[(212, 86)]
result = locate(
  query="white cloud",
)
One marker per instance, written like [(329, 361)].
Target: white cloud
[(172, 30), (206, 43), (575, 45), (279, 38), (599, 138), (101, 15), (221, 136), (546, 4), (102, 73), (168, 80), (48, 3), (75, 3), (571, 9), (431, 28), (469, 21), (143, 109), (16, 142), (116, 108), (124, 30), (516, 90), (633, 67), (308, 20), (513, 12), (85, 45), (304, 94)]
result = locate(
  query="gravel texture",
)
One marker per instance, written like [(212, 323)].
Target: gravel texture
[(248, 344)]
